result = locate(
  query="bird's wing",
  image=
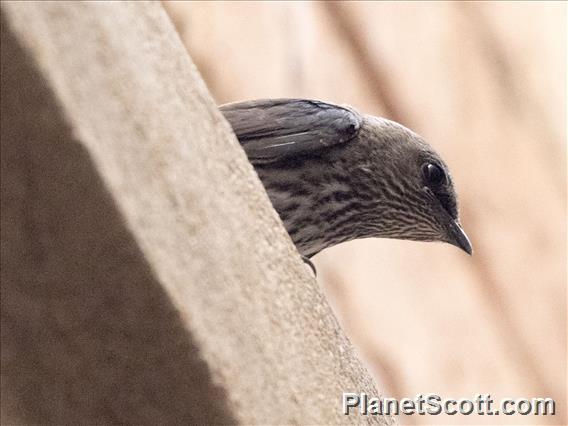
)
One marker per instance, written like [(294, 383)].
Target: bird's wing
[(275, 129)]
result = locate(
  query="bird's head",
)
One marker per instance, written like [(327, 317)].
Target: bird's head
[(417, 200)]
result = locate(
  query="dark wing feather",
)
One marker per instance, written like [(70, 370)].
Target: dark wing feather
[(275, 129)]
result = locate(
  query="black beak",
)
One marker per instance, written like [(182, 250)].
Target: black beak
[(459, 238), (456, 235)]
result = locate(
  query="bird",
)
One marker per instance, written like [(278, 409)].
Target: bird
[(335, 175)]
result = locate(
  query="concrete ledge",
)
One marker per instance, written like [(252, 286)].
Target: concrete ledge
[(145, 276)]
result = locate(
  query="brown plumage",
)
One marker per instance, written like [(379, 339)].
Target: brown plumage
[(334, 175)]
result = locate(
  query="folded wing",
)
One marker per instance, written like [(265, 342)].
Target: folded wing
[(276, 129)]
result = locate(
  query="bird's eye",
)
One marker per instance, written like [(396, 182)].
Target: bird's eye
[(433, 174)]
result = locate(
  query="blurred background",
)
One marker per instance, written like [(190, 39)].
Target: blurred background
[(485, 84)]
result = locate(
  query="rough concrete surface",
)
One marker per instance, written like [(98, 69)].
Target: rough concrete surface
[(145, 276)]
